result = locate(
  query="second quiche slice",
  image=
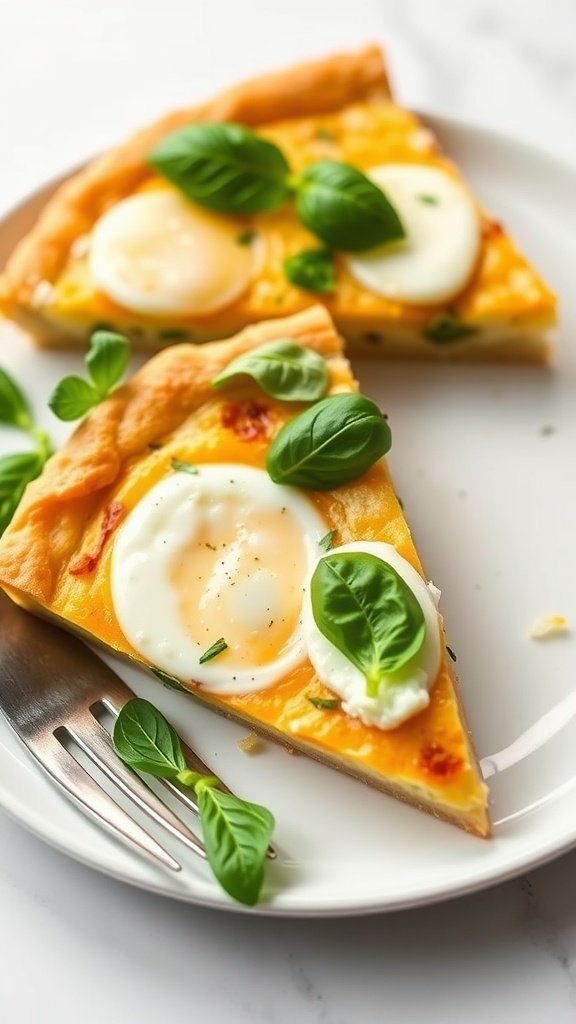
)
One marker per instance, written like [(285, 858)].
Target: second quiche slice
[(177, 235), (193, 524)]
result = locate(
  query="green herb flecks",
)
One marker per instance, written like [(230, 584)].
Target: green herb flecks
[(217, 648), (311, 269), (429, 200), (327, 541), (325, 703), (332, 443), (246, 237), (169, 681), (106, 362), (236, 833), (364, 607), (179, 466), (282, 369), (447, 328)]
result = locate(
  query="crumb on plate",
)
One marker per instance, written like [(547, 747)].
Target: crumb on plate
[(549, 625)]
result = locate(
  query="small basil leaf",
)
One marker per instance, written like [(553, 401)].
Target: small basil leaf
[(107, 359), (446, 328), (236, 836), (144, 740), (333, 442), (364, 607), (344, 208), (14, 409), (224, 167), (282, 369), (72, 398), (217, 648), (312, 269), (18, 470)]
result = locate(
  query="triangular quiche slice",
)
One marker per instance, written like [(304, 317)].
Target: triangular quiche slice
[(120, 245), (159, 532)]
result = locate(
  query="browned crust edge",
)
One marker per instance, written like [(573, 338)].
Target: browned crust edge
[(319, 86)]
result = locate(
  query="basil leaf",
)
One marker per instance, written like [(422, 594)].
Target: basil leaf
[(107, 359), (236, 836), (14, 409), (344, 208), (144, 740), (312, 269), (179, 466), (282, 369), (72, 398), (364, 607), (446, 328), (327, 540), (217, 648), (224, 167), (331, 443), (16, 471)]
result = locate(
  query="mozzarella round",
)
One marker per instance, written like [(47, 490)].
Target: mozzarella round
[(224, 552), (156, 253), (403, 693), (443, 234)]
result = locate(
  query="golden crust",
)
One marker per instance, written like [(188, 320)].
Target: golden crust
[(48, 525), (315, 87)]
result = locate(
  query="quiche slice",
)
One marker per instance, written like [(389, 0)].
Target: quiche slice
[(159, 532), (121, 245)]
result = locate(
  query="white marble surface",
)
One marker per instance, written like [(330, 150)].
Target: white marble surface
[(76, 945)]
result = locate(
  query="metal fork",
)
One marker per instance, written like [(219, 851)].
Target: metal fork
[(56, 695)]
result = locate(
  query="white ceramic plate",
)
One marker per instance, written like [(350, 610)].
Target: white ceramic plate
[(492, 501)]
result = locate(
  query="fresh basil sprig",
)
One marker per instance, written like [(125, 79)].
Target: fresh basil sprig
[(236, 833), (312, 269), (364, 607), (224, 167), (282, 369), (106, 362), (18, 470), (344, 208), (228, 168), (333, 442)]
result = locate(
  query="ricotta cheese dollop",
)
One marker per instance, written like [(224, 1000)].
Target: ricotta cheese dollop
[(402, 694)]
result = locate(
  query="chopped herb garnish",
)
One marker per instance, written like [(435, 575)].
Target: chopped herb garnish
[(174, 334), (429, 200), (447, 327), (327, 540), (213, 651), (168, 681), (325, 134), (183, 467), (246, 237), (212, 547), (325, 703), (547, 429), (451, 653)]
